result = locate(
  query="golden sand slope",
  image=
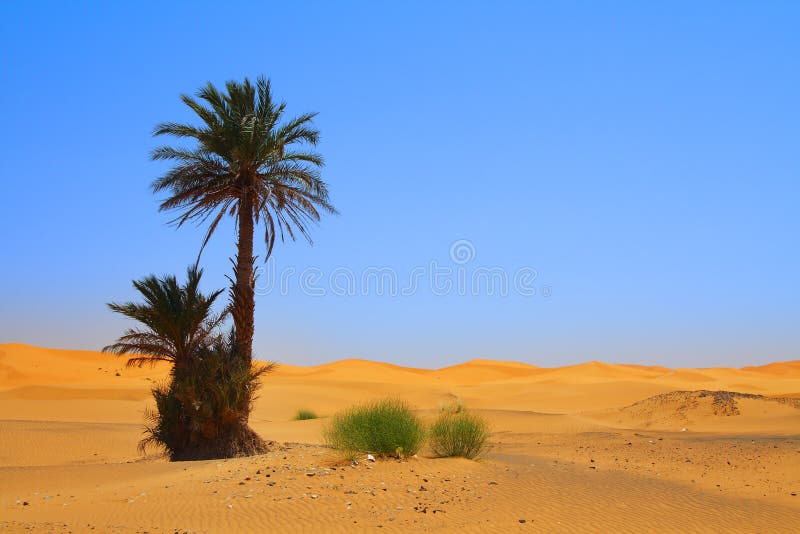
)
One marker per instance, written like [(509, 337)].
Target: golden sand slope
[(587, 447), (707, 410)]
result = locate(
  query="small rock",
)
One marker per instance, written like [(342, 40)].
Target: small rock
[(370, 458), (522, 521)]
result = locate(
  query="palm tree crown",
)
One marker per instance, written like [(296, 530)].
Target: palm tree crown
[(243, 150)]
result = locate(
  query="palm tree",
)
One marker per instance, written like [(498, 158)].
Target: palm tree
[(202, 410), (178, 321), (250, 164)]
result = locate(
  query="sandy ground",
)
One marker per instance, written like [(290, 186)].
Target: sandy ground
[(592, 447)]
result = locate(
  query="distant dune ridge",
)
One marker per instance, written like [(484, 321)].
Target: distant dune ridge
[(678, 447), (643, 396)]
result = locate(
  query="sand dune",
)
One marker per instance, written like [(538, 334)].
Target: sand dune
[(25, 365), (778, 368), (480, 371), (589, 447), (708, 411)]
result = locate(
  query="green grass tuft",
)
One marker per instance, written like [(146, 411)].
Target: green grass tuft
[(459, 434), (386, 427), (304, 415)]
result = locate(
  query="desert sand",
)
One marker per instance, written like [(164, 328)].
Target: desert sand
[(592, 447)]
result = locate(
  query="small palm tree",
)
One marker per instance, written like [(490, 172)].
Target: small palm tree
[(179, 321), (202, 410), (248, 163)]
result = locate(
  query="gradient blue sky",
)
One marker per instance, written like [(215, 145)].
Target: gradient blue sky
[(643, 157)]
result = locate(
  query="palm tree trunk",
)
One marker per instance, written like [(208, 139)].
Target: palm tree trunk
[(244, 304)]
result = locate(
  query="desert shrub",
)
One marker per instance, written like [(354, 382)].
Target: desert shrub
[(304, 415), (458, 434), (386, 427)]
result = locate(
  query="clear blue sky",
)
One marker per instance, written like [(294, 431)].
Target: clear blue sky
[(643, 157)]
